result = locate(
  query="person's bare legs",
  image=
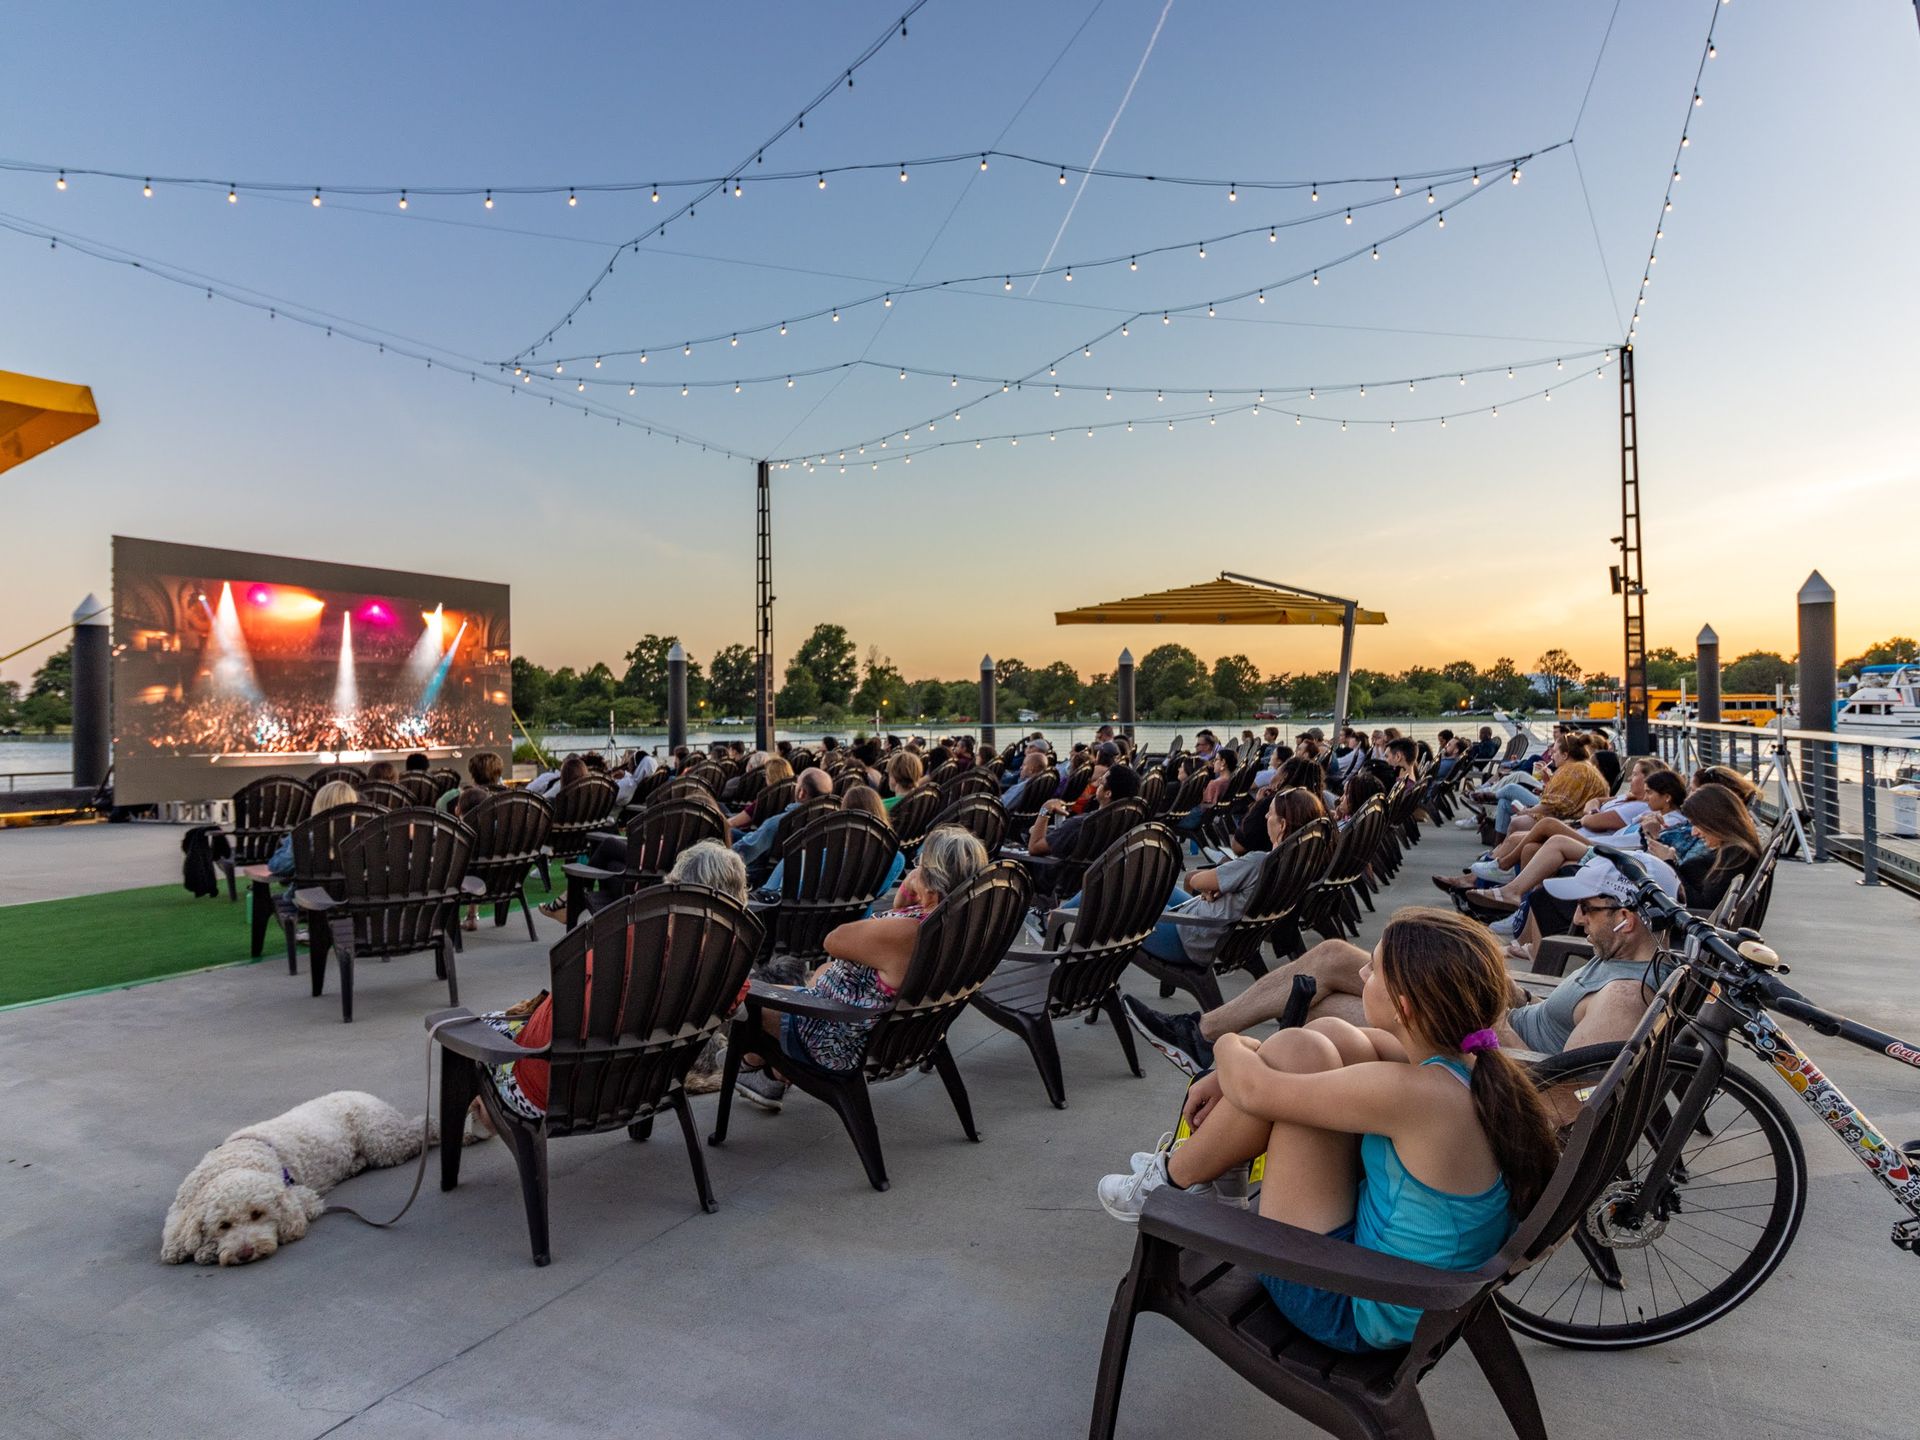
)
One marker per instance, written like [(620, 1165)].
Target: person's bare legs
[(1561, 850), (1333, 964)]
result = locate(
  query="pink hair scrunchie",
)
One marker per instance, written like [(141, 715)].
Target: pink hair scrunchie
[(1479, 1040)]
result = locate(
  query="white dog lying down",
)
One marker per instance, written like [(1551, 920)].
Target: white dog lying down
[(258, 1188)]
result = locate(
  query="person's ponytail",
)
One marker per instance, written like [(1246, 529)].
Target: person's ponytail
[(1524, 1139)]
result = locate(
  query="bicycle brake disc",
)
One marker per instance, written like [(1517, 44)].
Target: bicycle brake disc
[(1606, 1224)]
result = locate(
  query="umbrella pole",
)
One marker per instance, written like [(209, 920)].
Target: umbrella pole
[(1345, 683)]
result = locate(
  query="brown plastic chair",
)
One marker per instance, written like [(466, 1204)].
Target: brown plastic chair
[(264, 813), (326, 774), (1125, 891), (419, 787), (655, 838), (1330, 909), (1198, 1262), (387, 795), (445, 779), (672, 961), (968, 782), (913, 817), (316, 863), (1025, 799), (403, 880), (771, 800), (709, 775), (1287, 876), (1062, 875), (589, 804), (1153, 793), (510, 829), (832, 869), (1076, 783), (981, 815), (960, 942)]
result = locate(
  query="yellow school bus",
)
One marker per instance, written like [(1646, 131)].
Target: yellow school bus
[(1734, 709)]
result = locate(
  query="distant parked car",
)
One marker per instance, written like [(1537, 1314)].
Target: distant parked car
[(1265, 715)]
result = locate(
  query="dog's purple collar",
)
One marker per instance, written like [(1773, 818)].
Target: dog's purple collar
[(286, 1175)]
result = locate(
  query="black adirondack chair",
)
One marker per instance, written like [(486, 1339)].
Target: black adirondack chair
[(1120, 903), (316, 863), (1188, 797), (326, 774), (385, 794), (1331, 908), (673, 787), (982, 815), (709, 775), (832, 869), (672, 961), (264, 813), (1198, 1263), (771, 800), (959, 944), (968, 782), (1027, 796), (419, 787), (403, 880), (1287, 876), (1062, 876), (913, 817), (589, 804), (655, 838), (444, 779), (510, 829), (1153, 793), (1076, 783)]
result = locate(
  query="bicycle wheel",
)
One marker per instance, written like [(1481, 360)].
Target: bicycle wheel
[(1736, 1200)]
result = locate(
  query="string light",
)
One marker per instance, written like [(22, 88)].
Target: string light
[(1133, 262), (1443, 219), (489, 200), (403, 198), (1063, 174), (1232, 193), (233, 196), (147, 190), (61, 183), (1316, 277), (656, 190), (573, 199), (1069, 274), (1396, 185), (1203, 249), (903, 173), (983, 163), (316, 198), (1349, 215), (1273, 234), (889, 302)]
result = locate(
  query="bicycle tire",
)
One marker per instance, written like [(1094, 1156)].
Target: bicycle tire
[(1562, 1300)]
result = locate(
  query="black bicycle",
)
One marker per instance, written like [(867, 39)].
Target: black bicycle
[(1707, 1204)]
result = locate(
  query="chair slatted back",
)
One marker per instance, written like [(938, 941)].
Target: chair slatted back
[(851, 777), (657, 835), (1153, 794), (1121, 900), (1103, 827), (400, 879), (387, 795), (679, 787), (913, 817), (638, 990), (1286, 878), (444, 779), (1192, 791), (960, 943), (590, 803), (980, 814), (419, 787), (510, 829), (264, 812), (832, 869), (968, 782), (1749, 911), (808, 811), (772, 800), (650, 785), (709, 775), (748, 787), (316, 846), (1026, 798), (326, 774), (1076, 784), (943, 772)]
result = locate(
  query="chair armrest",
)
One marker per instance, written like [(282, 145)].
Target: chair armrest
[(313, 897), (466, 1034), (1268, 1247), (257, 872), (580, 870), (1059, 921), (596, 836), (1559, 951), (813, 1007), (473, 885), (1197, 922)]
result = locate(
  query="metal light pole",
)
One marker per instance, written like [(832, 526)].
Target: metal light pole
[(92, 694), (676, 696), (1818, 697), (1124, 685), (1707, 659), (987, 741), (763, 611)]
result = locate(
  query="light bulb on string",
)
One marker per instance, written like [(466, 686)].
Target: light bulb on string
[(1166, 318), (1509, 372), (789, 382), (1559, 365), (1712, 53), (903, 174), (147, 190), (1063, 175), (1343, 427), (596, 362), (1349, 215), (1210, 310), (1698, 100), (903, 374), (488, 202), (633, 389), (953, 383), (1069, 274), (823, 179), (1262, 297), (1109, 392), (643, 357), (233, 196), (734, 342), (656, 190), (1310, 394), (1316, 191), (1443, 219), (1086, 352), (1273, 234), (1316, 277), (581, 387), (1363, 392), (61, 183), (887, 303), (983, 162), (1515, 177), (836, 315), (1476, 176), (1124, 332), (687, 349), (1007, 283), (1396, 185), (683, 389), (1133, 262), (1233, 192), (316, 197), (1429, 195), (573, 199), (403, 198), (559, 369), (1376, 252)]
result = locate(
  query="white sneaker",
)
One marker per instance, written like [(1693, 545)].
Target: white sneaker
[(1140, 1158), (1491, 871), (1507, 929), (1124, 1196), (1466, 822)]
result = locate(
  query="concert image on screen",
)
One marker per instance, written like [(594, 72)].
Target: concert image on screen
[(229, 664)]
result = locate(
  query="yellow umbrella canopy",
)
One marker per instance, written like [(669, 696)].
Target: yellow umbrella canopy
[(36, 415), (1220, 602)]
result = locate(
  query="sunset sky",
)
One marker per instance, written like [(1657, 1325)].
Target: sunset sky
[(1775, 361)]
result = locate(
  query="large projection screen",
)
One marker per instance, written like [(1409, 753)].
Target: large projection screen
[(230, 665)]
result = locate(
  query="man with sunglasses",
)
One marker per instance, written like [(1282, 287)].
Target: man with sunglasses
[(1604, 999)]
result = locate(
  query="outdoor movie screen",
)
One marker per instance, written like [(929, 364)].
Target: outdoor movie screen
[(228, 665)]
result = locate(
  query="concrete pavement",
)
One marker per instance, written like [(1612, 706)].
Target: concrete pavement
[(968, 1300)]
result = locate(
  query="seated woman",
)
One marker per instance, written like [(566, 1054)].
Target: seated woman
[(866, 798), (522, 1084), (1413, 1136), (280, 863), (1721, 848), (1603, 822), (485, 768), (777, 771), (903, 777), (1222, 893), (1564, 796), (869, 964)]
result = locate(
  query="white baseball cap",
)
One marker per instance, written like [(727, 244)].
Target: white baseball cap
[(1598, 876)]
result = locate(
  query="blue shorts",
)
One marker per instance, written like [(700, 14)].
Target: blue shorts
[(1319, 1314)]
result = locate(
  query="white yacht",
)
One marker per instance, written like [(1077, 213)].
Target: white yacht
[(1885, 701)]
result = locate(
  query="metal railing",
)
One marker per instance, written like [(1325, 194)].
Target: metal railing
[(13, 777), (1855, 797)]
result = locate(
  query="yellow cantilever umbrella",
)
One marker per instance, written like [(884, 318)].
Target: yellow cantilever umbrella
[(1238, 600), (36, 415)]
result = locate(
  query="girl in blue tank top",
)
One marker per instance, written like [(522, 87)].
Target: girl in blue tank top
[(1412, 1135)]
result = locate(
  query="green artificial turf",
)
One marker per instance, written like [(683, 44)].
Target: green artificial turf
[(64, 947)]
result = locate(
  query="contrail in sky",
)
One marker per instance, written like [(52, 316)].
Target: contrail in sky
[(1100, 149)]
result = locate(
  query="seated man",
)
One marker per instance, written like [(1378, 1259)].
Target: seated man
[(1121, 782), (1032, 764), (759, 848), (1602, 1001)]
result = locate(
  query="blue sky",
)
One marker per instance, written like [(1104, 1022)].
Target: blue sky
[(1772, 363)]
